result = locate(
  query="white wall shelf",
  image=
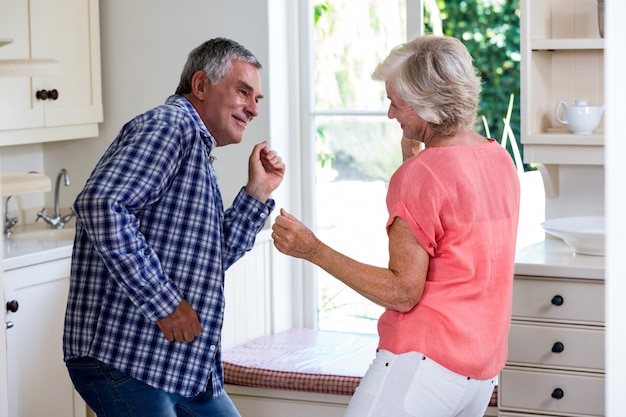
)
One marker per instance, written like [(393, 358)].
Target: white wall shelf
[(566, 44), (564, 148), (562, 60)]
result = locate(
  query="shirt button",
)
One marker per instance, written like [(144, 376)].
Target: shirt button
[(212, 348), (263, 215)]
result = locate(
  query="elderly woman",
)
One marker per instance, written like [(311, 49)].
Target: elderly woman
[(453, 214)]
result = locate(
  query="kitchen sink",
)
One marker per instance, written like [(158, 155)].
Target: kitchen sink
[(45, 234)]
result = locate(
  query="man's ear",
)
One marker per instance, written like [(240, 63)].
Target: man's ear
[(199, 84)]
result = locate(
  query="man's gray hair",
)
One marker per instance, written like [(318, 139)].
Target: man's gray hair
[(214, 57)]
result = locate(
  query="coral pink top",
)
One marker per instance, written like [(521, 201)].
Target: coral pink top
[(462, 205)]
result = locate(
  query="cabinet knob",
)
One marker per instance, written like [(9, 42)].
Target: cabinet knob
[(9, 324), (12, 306), (557, 394), (557, 300), (558, 347), (47, 94)]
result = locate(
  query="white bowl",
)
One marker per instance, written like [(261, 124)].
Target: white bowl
[(584, 234)]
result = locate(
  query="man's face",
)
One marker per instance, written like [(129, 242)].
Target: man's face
[(231, 104)]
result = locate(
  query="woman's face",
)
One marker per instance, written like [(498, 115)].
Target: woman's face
[(413, 126)]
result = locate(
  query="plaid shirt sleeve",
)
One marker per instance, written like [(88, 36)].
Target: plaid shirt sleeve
[(242, 221)]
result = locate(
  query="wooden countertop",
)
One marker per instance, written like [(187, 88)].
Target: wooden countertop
[(20, 183)]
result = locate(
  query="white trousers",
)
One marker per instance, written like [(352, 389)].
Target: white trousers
[(412, 385)]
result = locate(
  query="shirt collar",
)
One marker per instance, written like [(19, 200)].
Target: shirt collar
[(182, 102)]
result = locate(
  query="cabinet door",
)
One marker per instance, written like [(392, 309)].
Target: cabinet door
[(4, 396), (39, 384), (65, 30), (18, 106)]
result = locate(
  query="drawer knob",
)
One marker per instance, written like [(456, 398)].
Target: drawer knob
[(42, 95), (47, 94), (12, 306), (558, 393), (557, 300), (53, 94), (558, 347)]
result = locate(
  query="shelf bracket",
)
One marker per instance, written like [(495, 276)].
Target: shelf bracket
[(550, 175)]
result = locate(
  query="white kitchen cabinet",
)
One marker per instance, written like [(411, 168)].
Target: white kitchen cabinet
[(4, 392), (38, 381), (66, 31), (555, 365), (562, 58)]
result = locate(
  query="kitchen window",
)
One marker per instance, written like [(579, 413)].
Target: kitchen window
[(356, 146)]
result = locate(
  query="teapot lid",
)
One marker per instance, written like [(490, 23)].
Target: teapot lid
[(581, 102)]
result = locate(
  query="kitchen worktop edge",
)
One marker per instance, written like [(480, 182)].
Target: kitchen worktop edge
[(19, 254), (553, 258)]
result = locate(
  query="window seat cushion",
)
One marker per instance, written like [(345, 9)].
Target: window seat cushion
[(304, 360)]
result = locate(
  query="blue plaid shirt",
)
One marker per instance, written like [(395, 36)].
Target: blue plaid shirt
[(151, 231)]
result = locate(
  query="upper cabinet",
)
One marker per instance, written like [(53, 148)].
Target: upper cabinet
[(562, 60), (66, 104)]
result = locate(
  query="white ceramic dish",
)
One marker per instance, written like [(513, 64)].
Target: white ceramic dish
[(584, 234)]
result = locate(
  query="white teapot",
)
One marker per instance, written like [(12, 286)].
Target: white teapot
[(581, 118)]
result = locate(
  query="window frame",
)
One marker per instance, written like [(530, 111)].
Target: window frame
[(308, 113)]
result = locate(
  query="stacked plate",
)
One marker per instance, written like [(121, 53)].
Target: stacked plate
[(584, 234)]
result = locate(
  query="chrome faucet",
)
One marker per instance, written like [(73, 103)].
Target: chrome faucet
[(57, 221), (9, 221)]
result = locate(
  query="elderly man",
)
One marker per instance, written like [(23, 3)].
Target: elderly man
[(146, 301)]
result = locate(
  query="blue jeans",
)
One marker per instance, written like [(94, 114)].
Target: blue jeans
[(111, 393)]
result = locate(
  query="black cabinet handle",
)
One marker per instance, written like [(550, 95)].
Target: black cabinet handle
[(12, 306), (558, 347), (557, 393), (557, 300), (48, 94)]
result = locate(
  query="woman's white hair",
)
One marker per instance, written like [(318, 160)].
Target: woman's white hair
[(436, 76)]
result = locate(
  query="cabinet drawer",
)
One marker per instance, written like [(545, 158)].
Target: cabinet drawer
[(546, 345), (533, 390), (558, 299)]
